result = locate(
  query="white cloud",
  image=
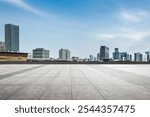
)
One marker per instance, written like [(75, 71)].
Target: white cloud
[(133, 16), (135, 36), (22, 4)]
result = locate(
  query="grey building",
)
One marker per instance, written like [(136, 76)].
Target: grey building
[(138, 57), (2, 47), (41, 53), (12, 38), (148, 55), (130, 57), (75, 58), (124, 56), (91, 57), (104, 52), (116, 54), (98, 56), (64, 54)]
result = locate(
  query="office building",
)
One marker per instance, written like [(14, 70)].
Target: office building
[(116, 54), (64, 54), (12, 38), (98, 56), (2, 47), (75, 58), (148, 55), (124, 56), (138, 57), (91, 57), (130, 57), (104, 52), (13, 56), (41, 53)]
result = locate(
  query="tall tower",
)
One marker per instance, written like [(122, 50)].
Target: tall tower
[(104, 52), (12, 38), (116, 54)]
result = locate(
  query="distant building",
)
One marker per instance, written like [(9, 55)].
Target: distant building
[(41, 53), (138, 57), (75, 58), (2, 47), (86, 59), (124, 56), (64, 54), (95, 59), (130, 57), (104, 52), (148, 55), (116, 54), (91, 57), (13, 56), (98, 56), (12, 38)]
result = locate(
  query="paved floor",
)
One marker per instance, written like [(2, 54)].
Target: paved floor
[(74, 82)]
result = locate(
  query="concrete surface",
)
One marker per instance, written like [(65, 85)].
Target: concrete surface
[(74, 82)]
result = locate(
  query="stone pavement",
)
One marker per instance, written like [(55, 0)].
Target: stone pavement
[(74, 82)]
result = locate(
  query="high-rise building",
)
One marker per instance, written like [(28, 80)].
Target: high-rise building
[(116, 54), (130, 57), (91, 57), (12, 38), (124, 56), (41, 53), (2, 47), (104, 52), (138, 57), (148, 55), (98, 56), (64, 54)]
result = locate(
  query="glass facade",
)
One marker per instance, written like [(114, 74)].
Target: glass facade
[(40, 53), (138, 57), (64, 54), (12, 38), (104, 52)]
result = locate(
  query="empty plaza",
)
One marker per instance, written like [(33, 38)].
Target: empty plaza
[(74, 82)]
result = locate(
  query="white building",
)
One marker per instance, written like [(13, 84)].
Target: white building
[(2, 47), (64, 54)]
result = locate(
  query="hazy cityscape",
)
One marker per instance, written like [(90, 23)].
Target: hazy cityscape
[(11, 45)]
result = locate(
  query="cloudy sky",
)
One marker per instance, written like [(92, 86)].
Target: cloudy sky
[(79, 25)]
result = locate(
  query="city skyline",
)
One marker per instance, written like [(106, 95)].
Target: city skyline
[(81, 26)]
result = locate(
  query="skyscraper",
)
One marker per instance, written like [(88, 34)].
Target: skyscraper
[(98, 56), (12, 38), (124, 56), (148, 55), (64, 54), (40, 53), (116, 54), (2, 47), (138, 57), (104, 52)]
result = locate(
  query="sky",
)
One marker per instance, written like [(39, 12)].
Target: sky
[(79, 25)]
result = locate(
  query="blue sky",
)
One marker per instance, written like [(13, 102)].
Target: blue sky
[(79, 25)]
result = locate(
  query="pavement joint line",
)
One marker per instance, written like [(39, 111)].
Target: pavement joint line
[(117, 85), (19, 89), (118, 72), (4, 76), (51, 82), (70, 82), (15, 92), (93, 84)]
